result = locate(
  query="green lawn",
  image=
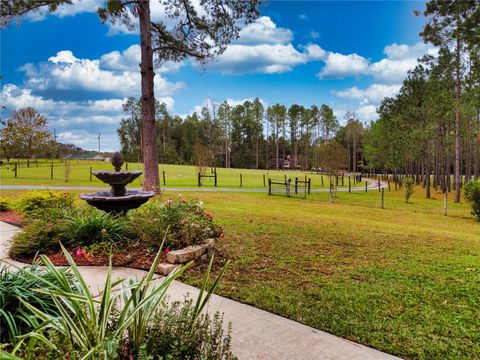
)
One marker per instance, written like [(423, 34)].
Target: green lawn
[(176, 175), (405, 280)]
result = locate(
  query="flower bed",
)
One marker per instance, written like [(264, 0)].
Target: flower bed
[(182, 228)]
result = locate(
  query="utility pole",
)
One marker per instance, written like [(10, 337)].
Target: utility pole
[(98, 142)]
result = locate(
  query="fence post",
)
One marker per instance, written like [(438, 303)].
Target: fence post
[(288, 186), (263, 180), (383, 202), (322, 180), (51, 171), (164, 180), (331, 192), (445, 201), (126, 167), (366, 186), (388, 181), (378, 185), (90, 173), (309, 185), (285, 177), (199, 179), (15, 170), (241, 180), (296, 185), (269, 186), (342, 180), (349, 185), (215, 178)]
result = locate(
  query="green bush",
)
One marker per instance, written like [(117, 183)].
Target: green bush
[(168, 335), (37, 204), (89, 226), (38, 236), (472, 195), (409, 185), (187, 222), (87, 327), (5, 205), (16, 289)]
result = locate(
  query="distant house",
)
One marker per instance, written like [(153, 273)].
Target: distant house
[(284, 163), (86, 156)]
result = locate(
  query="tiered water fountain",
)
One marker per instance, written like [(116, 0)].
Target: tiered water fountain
[(118, 200)]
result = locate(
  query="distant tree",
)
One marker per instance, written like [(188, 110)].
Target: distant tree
[(201, 32), (25, 134), (259, 111), (332, 156), (328, 121)]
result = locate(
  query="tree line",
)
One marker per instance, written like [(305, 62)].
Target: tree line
[(247, 135)]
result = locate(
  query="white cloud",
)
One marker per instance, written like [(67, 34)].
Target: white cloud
[(314, 34), (76, 122), (402, 51), (374, 93), (113, 73), (392, 69), (303, 17), (264, 58), (339, 66), (264, 31), (77, 7), (367, 113)]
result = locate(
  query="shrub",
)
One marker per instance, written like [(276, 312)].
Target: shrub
[(37, 204), (168, 335), (187, 222), (87, 327), (409, 185), (38, 236), (5, 205), (88, 226), (472, 195), (16, 289)]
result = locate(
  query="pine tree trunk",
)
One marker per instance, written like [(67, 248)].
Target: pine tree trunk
[(457, 124), (149, 139)]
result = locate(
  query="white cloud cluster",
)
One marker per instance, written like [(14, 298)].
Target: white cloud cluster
[(340, 65), (114, 73), (374, 93), (264, 31), (77, 7)]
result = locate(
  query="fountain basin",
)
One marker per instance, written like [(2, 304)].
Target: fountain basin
[(117, 179), (106, 201)]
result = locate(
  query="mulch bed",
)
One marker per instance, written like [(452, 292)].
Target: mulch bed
[(11, 217), (133, 256)]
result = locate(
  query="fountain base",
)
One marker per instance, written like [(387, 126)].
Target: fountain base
[(104, 200)]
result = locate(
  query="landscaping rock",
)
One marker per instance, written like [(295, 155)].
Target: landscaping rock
[(166, 268), (209, 244), (185, 255)]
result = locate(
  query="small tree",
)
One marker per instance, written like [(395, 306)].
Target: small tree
[(25, 134), (202, 158), (409, 185), (472, 195)]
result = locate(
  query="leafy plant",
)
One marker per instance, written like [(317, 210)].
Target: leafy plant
[(5, 205), (188, 221), (19, 287), (409, 185), (38, 236), (35, 204), (89, 226), (86, 327), (472, 195), (168, 335)]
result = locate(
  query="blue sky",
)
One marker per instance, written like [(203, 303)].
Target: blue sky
[(78, 71)]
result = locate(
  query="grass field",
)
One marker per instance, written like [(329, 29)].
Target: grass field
[(176, 175), (404, 279)]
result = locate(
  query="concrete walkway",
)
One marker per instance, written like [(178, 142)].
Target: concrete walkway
[(372, 185), (256, 334)]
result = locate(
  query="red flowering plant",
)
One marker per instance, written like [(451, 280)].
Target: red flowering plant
[(186, 220)]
